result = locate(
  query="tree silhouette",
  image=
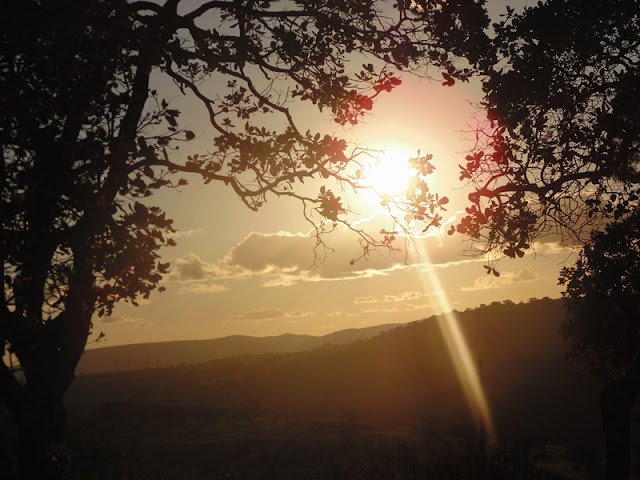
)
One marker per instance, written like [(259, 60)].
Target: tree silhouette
[(558, 152), (87, 139), (558, 155), (603, 303)]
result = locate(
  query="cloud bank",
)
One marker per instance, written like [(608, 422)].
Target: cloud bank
[(285, 258)]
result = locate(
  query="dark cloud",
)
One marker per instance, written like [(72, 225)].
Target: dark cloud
[(189, 268)]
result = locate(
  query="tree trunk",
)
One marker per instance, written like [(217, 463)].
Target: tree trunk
[(616, 405), (40, 424)]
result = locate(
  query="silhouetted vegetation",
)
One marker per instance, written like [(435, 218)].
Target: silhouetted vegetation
[(558, 156), (558, 153), (602, 324)]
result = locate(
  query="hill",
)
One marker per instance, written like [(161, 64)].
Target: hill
[(403, 377), (185, 352)]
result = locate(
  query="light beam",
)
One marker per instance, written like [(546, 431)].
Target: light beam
[(461, 355)]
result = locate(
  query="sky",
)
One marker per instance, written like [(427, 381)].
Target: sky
[(235, 271)]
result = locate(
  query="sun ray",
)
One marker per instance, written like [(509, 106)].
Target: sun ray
[(466, 369)]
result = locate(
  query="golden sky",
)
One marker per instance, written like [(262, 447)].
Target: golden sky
[(239, 272)]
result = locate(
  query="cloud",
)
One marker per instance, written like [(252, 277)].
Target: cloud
[(281, 259), (188, 269), (186, 233), (284, 258), (191, 268), (402, 297), (554, 248), (399, 297), (339, 313), (525, 275), (506, 279), (360, 300), (117, 318), (270, 313), (202, 288), (400, 307)]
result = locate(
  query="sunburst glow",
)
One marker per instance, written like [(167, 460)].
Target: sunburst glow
[(390, 172)]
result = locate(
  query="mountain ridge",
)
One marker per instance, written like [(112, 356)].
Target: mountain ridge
[(138, 356)]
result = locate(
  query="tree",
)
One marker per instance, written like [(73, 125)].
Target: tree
[(558, 152), (559, 155), (602, 298), (87, 139)]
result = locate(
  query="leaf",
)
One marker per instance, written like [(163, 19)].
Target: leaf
[(171, 120), (449, 80)]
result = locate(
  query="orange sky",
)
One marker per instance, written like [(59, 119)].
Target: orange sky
[(240, 272)]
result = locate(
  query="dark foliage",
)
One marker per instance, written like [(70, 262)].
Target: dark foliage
[(603, 300), (558, 156), (603, 304), (559, 149)]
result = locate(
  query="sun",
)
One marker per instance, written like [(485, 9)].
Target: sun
[(389, 173)]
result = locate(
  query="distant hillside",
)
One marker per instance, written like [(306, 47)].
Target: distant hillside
[(404, 376), (168, 354)]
